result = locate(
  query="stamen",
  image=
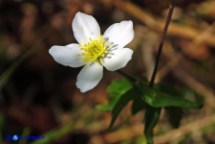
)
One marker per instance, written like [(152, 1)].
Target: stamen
[(96, 49)]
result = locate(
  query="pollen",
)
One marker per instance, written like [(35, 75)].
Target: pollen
[(95, 49)]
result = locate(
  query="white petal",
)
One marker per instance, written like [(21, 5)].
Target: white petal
[(120, 33), (89, 76), (85, 26), (68, 55), (118, 60)]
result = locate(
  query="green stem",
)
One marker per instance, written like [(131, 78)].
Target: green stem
[(26, 132), (129, 77), (149, 134), (56, 134)]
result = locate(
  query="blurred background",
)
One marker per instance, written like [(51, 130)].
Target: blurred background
[(39, 96)]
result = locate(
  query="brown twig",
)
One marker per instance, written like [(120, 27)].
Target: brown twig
[(176, 60), (185, 129), (156, 24), (196, 86), (136, 131)]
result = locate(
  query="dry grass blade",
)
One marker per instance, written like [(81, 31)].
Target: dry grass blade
[(185, 129), (157, 24)]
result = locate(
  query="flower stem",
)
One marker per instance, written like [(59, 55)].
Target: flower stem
[(151, 83), (131, 78), (169, 17)]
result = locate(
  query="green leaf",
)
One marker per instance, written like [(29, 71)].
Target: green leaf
[(112, 100), (174, 113), (105, 108), (26, 132), (119, 87), (144, 80), (168, 89), (160, 99), (116, 89), (174, 116), (151, 119), (137, 105), (122, 102)]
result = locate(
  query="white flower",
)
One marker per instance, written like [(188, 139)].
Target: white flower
[(95, 50)]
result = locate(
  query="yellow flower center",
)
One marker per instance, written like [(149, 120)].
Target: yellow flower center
[(95, 50)]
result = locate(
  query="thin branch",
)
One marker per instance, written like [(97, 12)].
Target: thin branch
[(169, 17), (131, 78)]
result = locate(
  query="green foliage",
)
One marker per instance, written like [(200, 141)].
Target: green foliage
[(152, 100), (174, 113), (137, 105), (123, 101), (168, 89), (151, 119), (25, 132), (156, 98), (174, 116), (55, 134), (117, 89)]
